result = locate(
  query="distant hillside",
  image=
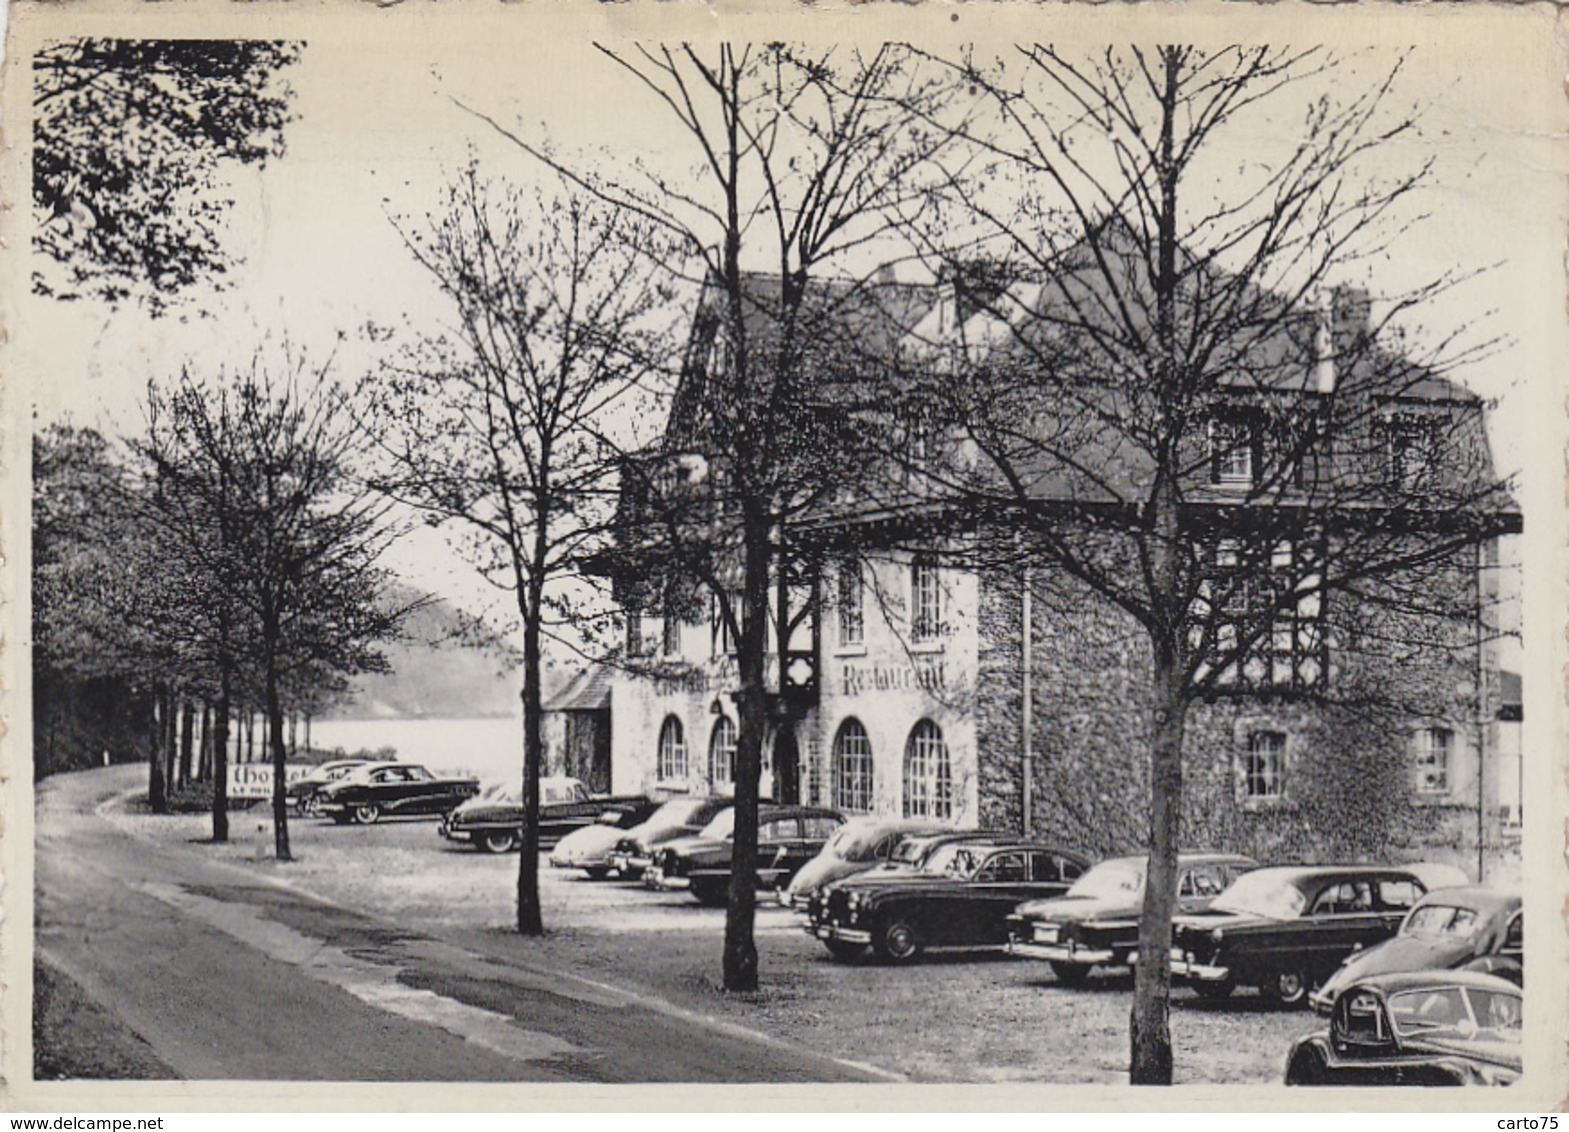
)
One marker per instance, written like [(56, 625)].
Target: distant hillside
[(447, 666)]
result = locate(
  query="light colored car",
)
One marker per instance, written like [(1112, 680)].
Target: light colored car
[(860, 844)]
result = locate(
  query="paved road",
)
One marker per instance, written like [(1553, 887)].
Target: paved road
[(229, 977)]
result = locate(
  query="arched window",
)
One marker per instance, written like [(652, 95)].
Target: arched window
[(928, 776), (721, 753), (852, 767), (672, 751)]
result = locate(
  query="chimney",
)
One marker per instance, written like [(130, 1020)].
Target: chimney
[(1323, 374), (1353, 320)]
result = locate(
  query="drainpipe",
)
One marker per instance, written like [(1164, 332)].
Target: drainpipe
[(1026, 615), (1481, 730)]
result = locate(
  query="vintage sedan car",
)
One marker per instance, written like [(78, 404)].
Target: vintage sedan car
[(787, 838), (961, 897), (494, 821), (1471, 927), (302, 792), (590, 847), (376, 790), (1096, 924), (1285, 929), (858, 845), (679, 817), (1415, 1028)]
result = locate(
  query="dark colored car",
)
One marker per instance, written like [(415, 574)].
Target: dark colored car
[(303, 792), (1415, 1028), (858, 845), (494, 821), (1096, 924), (1473, 927), (1285, 929), (679, 817), (369, 793), (590, 847), (961, 897), (787, 838)]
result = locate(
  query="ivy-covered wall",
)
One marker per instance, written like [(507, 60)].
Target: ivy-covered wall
[(1349, 788)]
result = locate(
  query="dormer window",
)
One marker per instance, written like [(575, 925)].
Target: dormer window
[(1412, 444), (1233, 449)]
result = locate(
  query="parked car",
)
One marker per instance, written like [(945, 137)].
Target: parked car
[(590, 847), (858, 845), (368, 793), (787, 838), (1472, 927), (1415, 1028), (302, 792), (494, 820), (1096, 924), (914, 850), (679, 817), (1285, 929), (961, 897)]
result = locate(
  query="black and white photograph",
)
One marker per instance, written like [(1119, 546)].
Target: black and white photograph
[(992, 554)]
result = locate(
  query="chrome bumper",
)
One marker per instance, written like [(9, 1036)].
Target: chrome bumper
[(1184, 966), (654, 877), (1060, 953), (834, 931)]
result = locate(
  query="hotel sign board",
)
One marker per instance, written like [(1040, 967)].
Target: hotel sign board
[(254, 780)]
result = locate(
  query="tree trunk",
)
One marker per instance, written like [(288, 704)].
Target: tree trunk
[(157, 792), (740, 952), (166, 735), (220, 748), (187, 720), (280, 761), (1150, 1026), (530, 918)]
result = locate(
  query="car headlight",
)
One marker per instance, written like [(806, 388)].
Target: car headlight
[(852, 901), (1217, 936)]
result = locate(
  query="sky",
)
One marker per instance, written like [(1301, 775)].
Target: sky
[(387, 108)]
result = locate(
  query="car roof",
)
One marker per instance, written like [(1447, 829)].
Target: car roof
[(1481, 897), (1016, 842), (782, 811), (1187, 860), (1298, 874), (1398, 981)]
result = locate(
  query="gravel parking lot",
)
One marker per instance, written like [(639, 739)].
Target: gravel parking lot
[(973, 1017)]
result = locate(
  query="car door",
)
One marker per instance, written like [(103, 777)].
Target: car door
[(1000, 885), (1344, 916), (421, 792), (777, 839)]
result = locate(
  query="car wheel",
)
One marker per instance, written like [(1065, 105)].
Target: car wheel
[(898, 942), (498, 841), (843, 950), (1071, 974), (1288, 987), (710, 894), (598, 872), (1307, 1067), (367, 813), (1214, 992)]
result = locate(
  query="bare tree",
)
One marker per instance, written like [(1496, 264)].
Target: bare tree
[(253, 472), (803, 160), (496, 431), (1150, 387)]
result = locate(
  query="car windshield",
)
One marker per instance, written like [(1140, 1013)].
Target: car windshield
[(499, 792), (673, 813), (1469, 1011), (855, 842), (1261, 894), (910, 850), (959, 860), (1442, 920), (1111, 879), (721, 827)]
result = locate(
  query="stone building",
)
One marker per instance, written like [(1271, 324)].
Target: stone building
[(1015, 697)]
